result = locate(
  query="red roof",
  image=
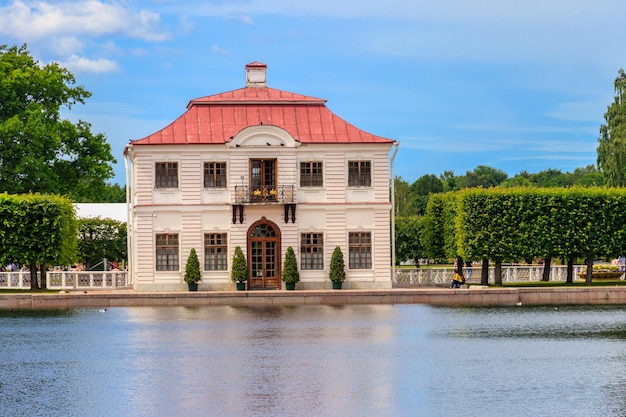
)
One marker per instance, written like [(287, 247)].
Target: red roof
[(215, 119)]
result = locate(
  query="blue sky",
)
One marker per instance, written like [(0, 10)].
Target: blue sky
[(512, 84)]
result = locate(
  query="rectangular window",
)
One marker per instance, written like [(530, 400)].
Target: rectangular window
[(311, 174), (215, 251), (166, 175), (360, 250), (215, 175), (167, 252), (359, 174), (312, 251)]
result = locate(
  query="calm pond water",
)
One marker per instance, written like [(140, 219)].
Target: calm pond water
[(359, 360)]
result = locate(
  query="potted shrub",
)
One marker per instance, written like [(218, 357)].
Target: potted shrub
[(337, 269), (239, 271), (290, 270), (192, 271)]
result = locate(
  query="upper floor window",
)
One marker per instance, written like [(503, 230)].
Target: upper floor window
[(311, 174), (167, 252), (359, 174), (312, 251), (360, 250), (215, 252), (215, 175), (166, 175)]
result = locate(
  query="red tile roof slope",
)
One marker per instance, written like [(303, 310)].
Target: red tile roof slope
[(215, 119)]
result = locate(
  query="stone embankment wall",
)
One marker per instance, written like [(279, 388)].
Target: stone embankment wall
[(470, 297)]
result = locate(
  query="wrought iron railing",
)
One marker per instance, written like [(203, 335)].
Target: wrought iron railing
[(281, 194)]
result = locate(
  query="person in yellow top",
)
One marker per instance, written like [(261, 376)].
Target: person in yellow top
[(457, 280)]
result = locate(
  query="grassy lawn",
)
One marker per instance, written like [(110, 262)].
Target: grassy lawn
[(25, 291), (576, 283)]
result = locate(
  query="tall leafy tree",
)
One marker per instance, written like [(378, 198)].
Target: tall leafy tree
[(482, 176), (100, 239), (449, 181), (409, 246), (38, 230), (402, 195), (612, 140), (427, 184), (421, 190), (40, 151)]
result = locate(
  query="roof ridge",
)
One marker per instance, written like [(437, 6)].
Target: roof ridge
[(255, 95)]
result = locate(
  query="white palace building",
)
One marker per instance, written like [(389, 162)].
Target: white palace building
[(262, 169)]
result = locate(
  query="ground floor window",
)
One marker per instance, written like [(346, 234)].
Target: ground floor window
[(312, 251), (215, 252), (167, 252), (360, 250)]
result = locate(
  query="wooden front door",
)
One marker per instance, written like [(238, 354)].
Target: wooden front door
[(264, 259)]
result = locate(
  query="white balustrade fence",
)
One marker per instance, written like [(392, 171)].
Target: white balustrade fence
[(514, 273), (69, 280), (404, 276)]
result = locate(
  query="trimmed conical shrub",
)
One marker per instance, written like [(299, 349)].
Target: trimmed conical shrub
[(290, 268), (337, 266), (192, 268), (239, 271)]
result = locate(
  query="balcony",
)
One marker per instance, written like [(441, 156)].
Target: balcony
[(281, 194)]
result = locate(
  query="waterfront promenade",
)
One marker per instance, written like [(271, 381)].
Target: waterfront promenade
[(474, 296)]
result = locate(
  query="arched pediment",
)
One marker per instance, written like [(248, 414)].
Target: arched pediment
[(263, 135)]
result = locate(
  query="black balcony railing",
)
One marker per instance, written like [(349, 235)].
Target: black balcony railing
[(281, 194)]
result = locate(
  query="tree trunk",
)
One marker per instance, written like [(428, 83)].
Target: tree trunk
[(33, 276), (547, 263), (570, 270), (589, 263), (498, 272), (484, 272), (459, 265), (42, 275)]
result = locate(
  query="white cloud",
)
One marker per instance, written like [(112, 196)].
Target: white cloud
[(138, 52), (67, 45), (33, 20), (579, 111), (82, 64), (185, 25), (247, 20), (516, 146), (530, 129), (479, 11), (587, 156), (561, 31), (219, 50)]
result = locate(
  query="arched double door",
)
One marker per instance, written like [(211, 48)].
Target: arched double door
[(264, 255)]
